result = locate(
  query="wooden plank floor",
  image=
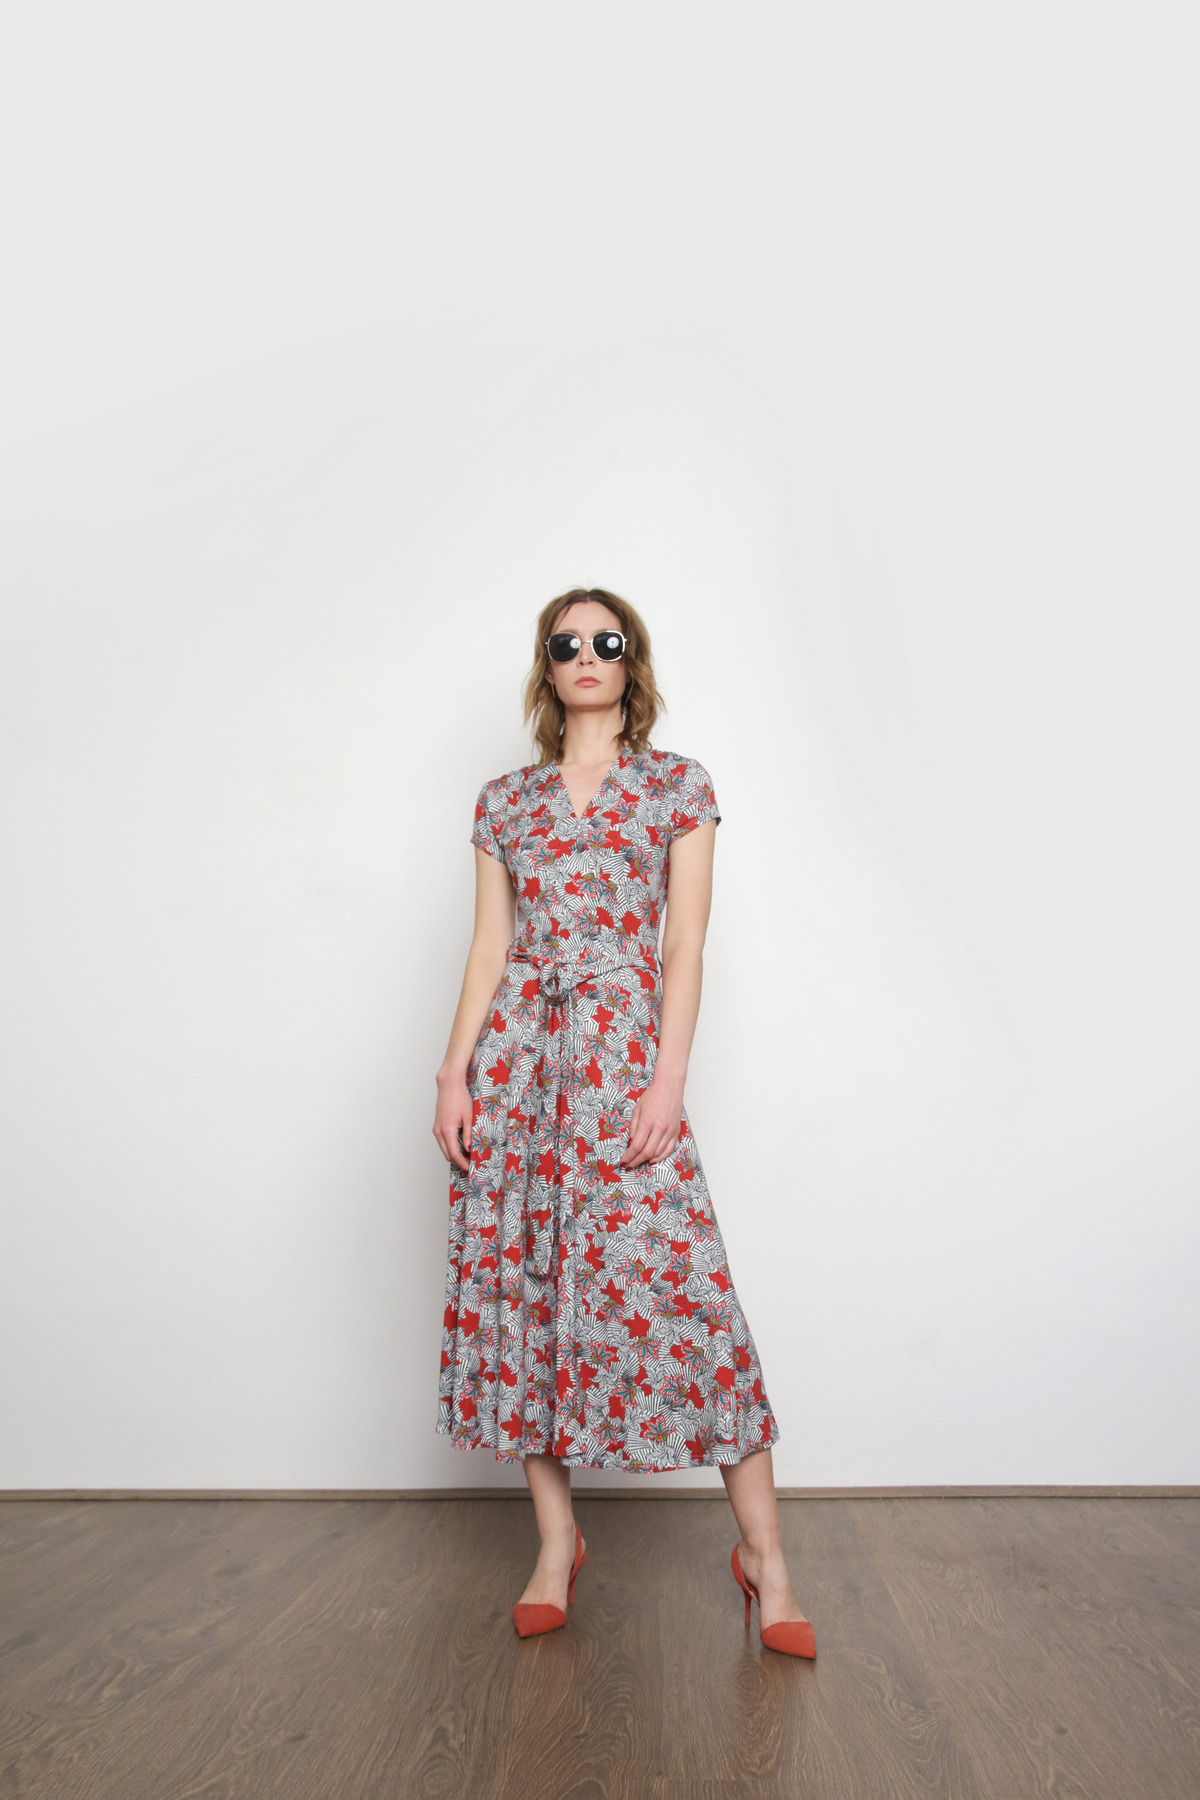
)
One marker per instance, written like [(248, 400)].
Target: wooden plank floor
[(972, 1649)]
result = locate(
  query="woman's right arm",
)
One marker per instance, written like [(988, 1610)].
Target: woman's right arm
[(495, 920)]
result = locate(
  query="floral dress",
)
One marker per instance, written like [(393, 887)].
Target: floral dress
[(590, 1310)]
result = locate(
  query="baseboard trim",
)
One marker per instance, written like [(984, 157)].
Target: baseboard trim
[(635, 1490)]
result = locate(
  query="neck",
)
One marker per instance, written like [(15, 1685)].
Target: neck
[(591, 739)]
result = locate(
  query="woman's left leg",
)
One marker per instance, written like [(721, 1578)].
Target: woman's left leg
[(550, 1485), (750, 1485)]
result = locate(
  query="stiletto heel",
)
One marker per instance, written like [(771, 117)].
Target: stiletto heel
[(574, 1572), (533, 1616), (795, 1637)]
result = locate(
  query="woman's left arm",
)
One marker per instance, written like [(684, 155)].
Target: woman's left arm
[(657, 1116)]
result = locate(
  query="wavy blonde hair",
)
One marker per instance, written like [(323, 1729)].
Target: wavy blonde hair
[(641, 702)]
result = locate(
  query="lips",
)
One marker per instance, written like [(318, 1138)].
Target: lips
[(587, 681)]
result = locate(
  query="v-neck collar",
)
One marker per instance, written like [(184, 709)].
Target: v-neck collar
[(578, 818)]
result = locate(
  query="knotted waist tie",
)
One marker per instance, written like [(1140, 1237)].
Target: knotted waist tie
[(548, 1163)]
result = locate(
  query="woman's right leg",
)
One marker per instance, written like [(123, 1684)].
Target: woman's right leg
[(550, 1484), (750, 1485)]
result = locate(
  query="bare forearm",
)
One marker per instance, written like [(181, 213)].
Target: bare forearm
[(657, 1116), (485, 965), (682, 977)]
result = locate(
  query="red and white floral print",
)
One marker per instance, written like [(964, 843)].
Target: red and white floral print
[(590, 1310)]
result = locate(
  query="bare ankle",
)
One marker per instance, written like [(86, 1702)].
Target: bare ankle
[(766, 1547)]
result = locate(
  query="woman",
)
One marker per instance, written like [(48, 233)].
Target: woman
[(591, 1321)]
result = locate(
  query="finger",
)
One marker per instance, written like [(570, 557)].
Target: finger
[(451, 1151), (466, 1122), (661, 1150), (636, 1147), (654, 1148)]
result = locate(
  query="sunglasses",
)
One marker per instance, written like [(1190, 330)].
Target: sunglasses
[(606, 646)]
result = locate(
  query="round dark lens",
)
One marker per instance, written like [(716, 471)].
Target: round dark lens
[(563, 646), (608, 646)]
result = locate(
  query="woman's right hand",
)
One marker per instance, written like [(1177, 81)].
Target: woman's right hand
[(495, 911), (453, 1118)]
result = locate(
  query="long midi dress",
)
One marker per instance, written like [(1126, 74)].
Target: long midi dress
[(590, 1310)]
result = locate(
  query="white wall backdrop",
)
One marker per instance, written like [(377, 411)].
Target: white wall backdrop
[(856, 346)]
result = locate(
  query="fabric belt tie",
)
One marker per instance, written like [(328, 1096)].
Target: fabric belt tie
[(548, 1163)]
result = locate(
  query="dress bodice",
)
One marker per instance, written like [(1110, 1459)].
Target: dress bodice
[(592, 886)]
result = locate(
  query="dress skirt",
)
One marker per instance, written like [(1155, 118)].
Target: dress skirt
[(590, 1311)]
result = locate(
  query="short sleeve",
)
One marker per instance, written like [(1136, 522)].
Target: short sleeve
[(693, 802), (488, 819)]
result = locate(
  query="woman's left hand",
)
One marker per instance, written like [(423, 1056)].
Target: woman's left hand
[(654, 1125)]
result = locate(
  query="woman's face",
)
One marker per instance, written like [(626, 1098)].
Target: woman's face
[(585, 683)]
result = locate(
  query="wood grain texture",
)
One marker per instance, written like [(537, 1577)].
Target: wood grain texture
[(987, 1648)]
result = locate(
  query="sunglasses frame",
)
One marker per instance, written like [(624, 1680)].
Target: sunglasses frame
[(590, 642)]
